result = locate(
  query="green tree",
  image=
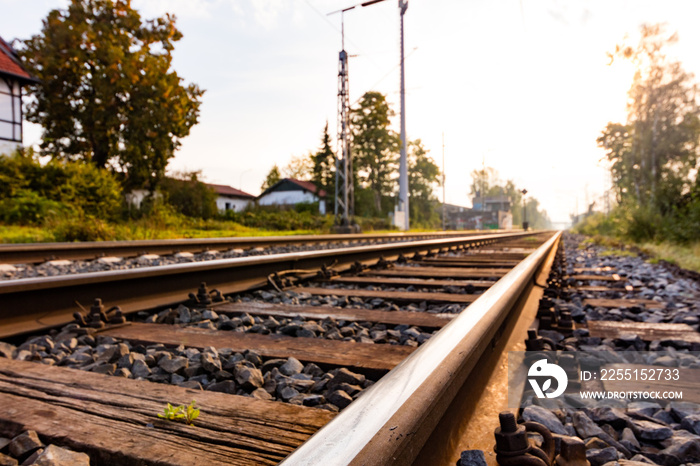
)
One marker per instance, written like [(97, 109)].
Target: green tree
[(653, 155), (375, 154), (423, 177), (300, 168), (272, 177), (324, 165), (485, 182), (107, 93), (189, 196)]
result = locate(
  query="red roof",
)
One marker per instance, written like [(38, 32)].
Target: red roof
[(229, 191), (309, 186), (10, 64)]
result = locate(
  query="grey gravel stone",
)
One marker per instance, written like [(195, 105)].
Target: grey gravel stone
[(140, 369), (339, 398), (648, 430), (683, 445), (545, 417), (24, 444), (643, 407), (343, 375), (287, 393), (57, 456), (291, 366), (173, 365), (261, 394), (598, 457), (585, 427), (227, 386), (681, 409), (691, 423), (210, 362), (472, 458), (249, 378), (628, 436)]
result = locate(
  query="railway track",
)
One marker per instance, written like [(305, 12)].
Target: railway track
[(349, 355), (42, 252)]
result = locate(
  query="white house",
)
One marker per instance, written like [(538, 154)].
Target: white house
[(229, 198), (290, 191), (12, 77)]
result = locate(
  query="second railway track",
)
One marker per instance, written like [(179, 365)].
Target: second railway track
[(388, 344)]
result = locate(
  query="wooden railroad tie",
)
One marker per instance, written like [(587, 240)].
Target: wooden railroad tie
[(645, 331), (355, 356), (421, 319), (436, 272), (113, 419), (398, 296)]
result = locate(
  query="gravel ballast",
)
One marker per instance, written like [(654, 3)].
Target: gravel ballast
[(629, 432)]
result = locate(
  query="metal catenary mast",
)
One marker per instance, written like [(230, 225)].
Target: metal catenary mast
[(344, 188)]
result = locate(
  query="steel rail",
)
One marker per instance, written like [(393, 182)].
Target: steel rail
[(32, 304), (392, 420), (40, 252)]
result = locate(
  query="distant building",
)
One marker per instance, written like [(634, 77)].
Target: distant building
[(12, 77), (491, 203), (290, 191), (229, 198), (489, 213)]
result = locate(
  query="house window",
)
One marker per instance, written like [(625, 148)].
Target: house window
[(10, 110), (228, 206)]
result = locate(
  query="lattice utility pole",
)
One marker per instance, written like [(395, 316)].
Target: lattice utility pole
[(344, 188)]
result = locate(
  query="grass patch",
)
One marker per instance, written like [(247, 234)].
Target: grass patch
[(89, 230), (618, 253), (24, 234), (684, 256)]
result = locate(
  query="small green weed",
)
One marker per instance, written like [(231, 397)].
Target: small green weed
[(173, 413)]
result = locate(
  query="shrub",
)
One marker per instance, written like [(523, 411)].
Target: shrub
[(93, 191), (30, 191), (274, 218), (642, 224), (28, 207), (81, 228), (598, 224), (189, 196)]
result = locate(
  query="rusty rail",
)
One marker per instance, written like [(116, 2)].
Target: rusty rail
[(391, 421), (40, 252), (28, 305)]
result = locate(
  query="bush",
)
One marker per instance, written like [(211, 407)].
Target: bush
[(274, 218), (30, 192), (682, 224), (642, 224), (81, 228), (28, 207), (189, 196), (372, 224), (93, 191), (598, 224)]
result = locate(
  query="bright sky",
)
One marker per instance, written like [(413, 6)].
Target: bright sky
[(521, 85)]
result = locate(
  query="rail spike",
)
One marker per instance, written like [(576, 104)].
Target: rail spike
[(512, 445), (97, 317), (205, 297)]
